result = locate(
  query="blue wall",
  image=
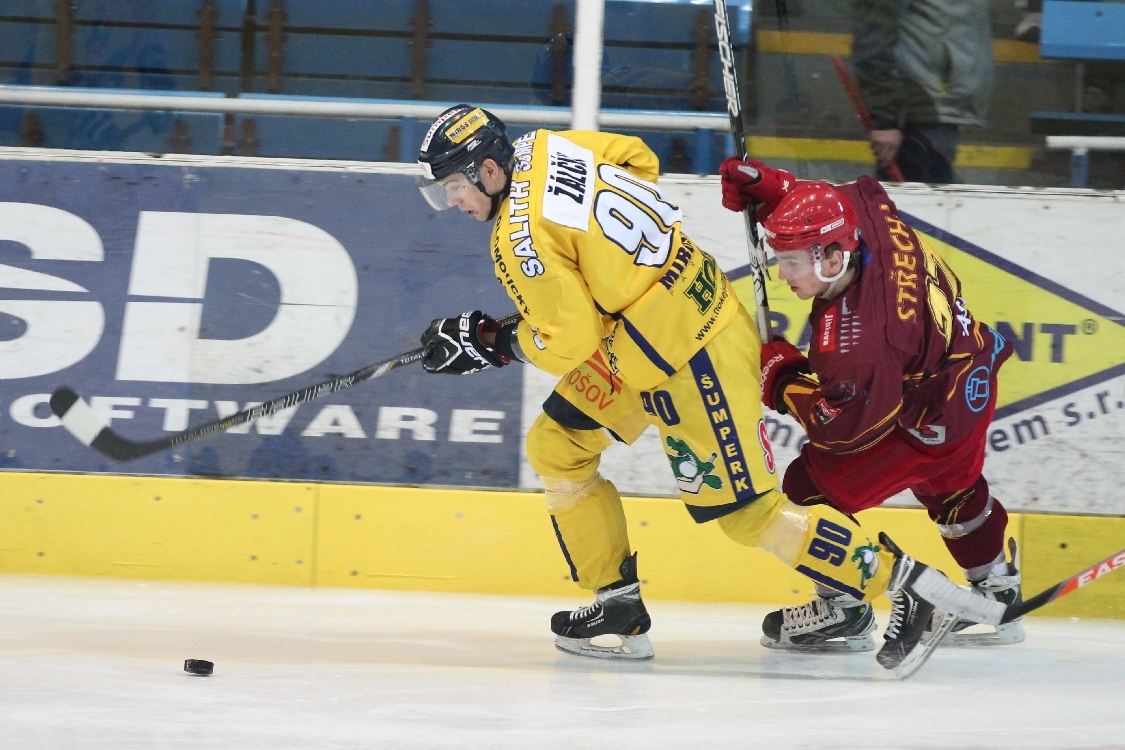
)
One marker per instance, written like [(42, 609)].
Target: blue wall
[(412, 265)]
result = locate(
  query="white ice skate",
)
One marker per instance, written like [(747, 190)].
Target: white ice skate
[(1001, 588), (831, 623)]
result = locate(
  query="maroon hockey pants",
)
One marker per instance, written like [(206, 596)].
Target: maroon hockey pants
[(945, 479)]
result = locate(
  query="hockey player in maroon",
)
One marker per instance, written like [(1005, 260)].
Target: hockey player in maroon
[(896, 393)]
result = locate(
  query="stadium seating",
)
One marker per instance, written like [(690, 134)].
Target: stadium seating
[(657, 56), (1081, 31)]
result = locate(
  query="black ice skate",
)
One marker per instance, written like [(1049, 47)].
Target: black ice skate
[(831, 623), (1001, 588), (617, 611), (921, 597)]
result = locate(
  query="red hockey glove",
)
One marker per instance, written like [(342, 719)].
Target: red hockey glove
[(453, 345), (749, 182), (782, 363)]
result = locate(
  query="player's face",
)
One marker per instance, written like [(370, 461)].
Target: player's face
[(464, 195), (455, 191), (796, 268)]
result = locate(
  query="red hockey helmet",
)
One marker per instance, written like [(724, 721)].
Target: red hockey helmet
[(812, 214)]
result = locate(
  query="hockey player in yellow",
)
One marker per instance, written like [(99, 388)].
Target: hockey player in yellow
[(643, 328)]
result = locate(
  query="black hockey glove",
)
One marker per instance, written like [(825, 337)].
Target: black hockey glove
[(453, 345)]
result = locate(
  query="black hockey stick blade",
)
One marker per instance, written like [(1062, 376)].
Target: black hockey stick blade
[(1075, 582), (81, 421), (85, 424)]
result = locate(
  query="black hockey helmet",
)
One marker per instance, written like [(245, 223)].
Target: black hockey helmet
[(459, 140)]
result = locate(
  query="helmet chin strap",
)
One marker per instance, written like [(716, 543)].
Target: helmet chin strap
[(832, 280), (499, 196)]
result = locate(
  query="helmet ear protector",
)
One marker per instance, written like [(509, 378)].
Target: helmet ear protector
[(808, 260), (809, 219), (458, 141)]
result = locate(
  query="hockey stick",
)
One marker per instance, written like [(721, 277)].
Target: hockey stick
[(861, 108), (916, 658), (1075, 582), (84, 423), (737, 129)]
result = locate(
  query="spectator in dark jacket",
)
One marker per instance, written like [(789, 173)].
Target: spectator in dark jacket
[(924, 68)]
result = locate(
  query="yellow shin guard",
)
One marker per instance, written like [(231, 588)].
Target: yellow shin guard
[(817, 541), (585, 509), (589, 521)]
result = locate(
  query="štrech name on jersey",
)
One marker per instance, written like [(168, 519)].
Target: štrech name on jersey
[(570, 182), (1063, 342)]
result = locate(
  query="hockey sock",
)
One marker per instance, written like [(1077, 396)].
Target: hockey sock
[(998, 567), (971, 522)]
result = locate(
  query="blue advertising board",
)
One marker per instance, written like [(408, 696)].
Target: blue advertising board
[(169, 295)]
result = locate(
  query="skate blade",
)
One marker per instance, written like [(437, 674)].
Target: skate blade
[(1005, 635), (634, 647), (925, 648), (852, 645)]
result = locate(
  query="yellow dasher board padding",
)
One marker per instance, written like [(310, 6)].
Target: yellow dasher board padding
[(456, 540)]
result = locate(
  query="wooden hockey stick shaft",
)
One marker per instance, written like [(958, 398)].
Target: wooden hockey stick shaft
[(1075, 582), (738, 131), (82, 422), (850, 86)]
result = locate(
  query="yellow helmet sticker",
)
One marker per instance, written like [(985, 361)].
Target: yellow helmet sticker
[(467, 125)]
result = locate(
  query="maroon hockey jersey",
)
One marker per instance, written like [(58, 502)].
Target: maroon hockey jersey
[(898, 349)]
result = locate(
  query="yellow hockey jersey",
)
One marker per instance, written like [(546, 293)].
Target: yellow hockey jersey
[(591, 252)]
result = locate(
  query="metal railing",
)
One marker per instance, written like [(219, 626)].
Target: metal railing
[(266, 104), (1080, 147)]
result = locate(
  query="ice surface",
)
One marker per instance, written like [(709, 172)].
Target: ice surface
[(94, 663)]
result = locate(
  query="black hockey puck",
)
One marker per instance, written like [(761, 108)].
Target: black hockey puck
[(198, 666)]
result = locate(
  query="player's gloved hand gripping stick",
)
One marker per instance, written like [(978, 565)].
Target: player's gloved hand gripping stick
[(454, 345), (85, 424), (781, 363)]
